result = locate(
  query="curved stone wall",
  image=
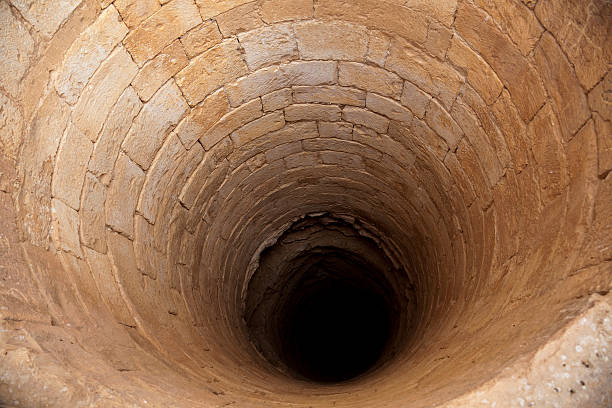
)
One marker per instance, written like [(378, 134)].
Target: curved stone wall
[(153, 152)]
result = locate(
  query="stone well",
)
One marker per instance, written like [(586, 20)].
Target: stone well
[(305, 203)]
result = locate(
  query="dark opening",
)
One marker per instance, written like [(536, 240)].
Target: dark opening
[(324, 304)]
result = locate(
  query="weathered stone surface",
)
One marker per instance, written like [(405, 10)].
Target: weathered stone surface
[(570, 103), (202, 118), (239, 19), (441, 10), (513, 129), (601, 106), (156, 72), (209, 9), (388, 107), (506, 60), (201, 38), (232, 121), (583, 33), (99, 96), (87, 52), (257, 128), (277, 100), (273, 78), (378, 48), (329, 94), (134, 12), (211, 70), (16, 48), (415, 99), (70, 167), (369, 78), (360, 116), (312, 111), (10, 127), (283, 150), (337, 130), (327, 40), (442, 122), (162, 28), (438, 40), (65, 230), (302, 159), (46, 15), (116, 127), (429, 74), (268, 45), (123, 195), (91, 214), (159, 175), (479, 73), (273, 11), (152, 124)]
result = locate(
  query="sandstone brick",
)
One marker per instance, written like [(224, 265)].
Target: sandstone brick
[(158, 176), (342, 159), (156, 72), (329, 94), (385, 16), (116, 127), (604, 144), (201, 38), (583, 33), (513, 129), (162, 28), (506, 60), (302, 159), (258, 128), (311, 111), (70, 166), (388, 107), (87, 52), (277, 100), (152, 124), (134, 12), (65, 229), (479, 140), (273, 11), (517, 20), (378, 48), (331, 40), (441, 10), (444, 125), (438, 40), (471, 167), (239, 19), (123, 195), (337, 130), (283, 150), (360, 116), (202, 118), (369, 78), (46, 16), (344, 146), (210, 9), (273, 78), (211, 70), (10, 127), (232, 121), (268, 45), (91, 214), (545, 137), (434, 77), (415, 99), (16, 49), (103, 90), (461, 179), (479, 73), (104, 278), (390, 145), (570, 102)]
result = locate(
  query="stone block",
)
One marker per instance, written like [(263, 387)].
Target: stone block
[(45, 15), (242, 18), (443, 124), (201, 38), (388, 107), (415, 99), (257, 128), (331, 40), (65, 228), (329, 94), (273, 11), (232, 121), (202, 118), (91, 214), (311, 111), (123, 195), (16, 49), (277, 100), (134, 12), (268, 45), (370, 78), (336, 130), (210, 9), (360, 116), (378, 48)]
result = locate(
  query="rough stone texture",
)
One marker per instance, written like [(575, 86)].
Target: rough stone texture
[(210, 70), (160, 29), (154, 155)]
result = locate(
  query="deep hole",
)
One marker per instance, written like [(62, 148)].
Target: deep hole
[(321, 306)]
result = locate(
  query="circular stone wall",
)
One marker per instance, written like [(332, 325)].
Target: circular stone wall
[(305, 203)]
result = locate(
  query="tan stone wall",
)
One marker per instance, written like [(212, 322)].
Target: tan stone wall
[(149, 150)]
